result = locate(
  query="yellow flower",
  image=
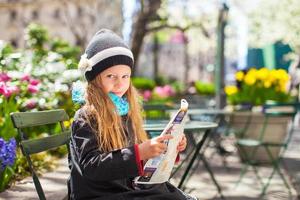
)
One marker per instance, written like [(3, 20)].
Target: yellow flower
[(239, 76), (267, 84), (260, 82), (282, 86), (67, 124), (280, 74), (252, 71), (250, 78), (283, 89), (231, 89), (262, 74), (283, 75)]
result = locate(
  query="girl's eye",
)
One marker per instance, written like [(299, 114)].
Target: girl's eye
[(126, 76), (110, 76)]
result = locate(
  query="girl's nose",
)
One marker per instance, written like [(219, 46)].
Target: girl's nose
[(118, 82)]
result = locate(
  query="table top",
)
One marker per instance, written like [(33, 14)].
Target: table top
[(190, 125), (209, 111), (196, 111)]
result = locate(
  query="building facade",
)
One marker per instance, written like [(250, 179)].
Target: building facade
[(73, 20)]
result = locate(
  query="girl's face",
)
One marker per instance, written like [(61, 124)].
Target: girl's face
[(116, 79)]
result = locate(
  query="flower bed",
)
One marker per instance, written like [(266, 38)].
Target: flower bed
[(7, 159), (36, 78), (255, 87)]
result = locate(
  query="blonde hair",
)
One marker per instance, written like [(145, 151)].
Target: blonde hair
[(100, 110)]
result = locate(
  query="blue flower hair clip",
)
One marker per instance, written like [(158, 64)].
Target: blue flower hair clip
[(78, 92)]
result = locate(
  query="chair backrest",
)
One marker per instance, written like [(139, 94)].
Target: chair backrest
[(240, 122), (22, 120), (284, 113), (271, 127)]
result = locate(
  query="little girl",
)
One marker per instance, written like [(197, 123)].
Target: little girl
[(108, 144)]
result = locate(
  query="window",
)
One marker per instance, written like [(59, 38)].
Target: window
[(93, 19), (79, 11), (78, 42), (13, 15), (14, 42), (35, 14), (56, 14)]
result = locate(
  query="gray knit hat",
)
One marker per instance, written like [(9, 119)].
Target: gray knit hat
[(106, 49)]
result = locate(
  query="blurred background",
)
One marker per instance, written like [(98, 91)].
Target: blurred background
[(204, 51)]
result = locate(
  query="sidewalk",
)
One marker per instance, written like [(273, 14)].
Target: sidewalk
[(199, 184), (53, 183), (202, 186)]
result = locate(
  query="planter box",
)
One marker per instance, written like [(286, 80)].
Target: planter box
[(252, 124)]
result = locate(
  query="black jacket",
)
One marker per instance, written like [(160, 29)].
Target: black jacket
[(109, 176)]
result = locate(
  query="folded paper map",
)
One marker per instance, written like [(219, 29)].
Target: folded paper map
[(158, 169)]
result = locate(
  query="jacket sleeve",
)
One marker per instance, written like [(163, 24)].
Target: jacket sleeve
[(100, 166)]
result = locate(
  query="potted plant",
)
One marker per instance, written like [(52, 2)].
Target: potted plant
[(255, 88)]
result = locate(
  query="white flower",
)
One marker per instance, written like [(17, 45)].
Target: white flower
[(84, 64)]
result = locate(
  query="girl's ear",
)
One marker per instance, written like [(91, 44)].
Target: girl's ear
[(98, 81)]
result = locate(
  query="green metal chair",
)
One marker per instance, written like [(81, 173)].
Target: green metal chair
[(24, 120), (279, 115), (217, 135)]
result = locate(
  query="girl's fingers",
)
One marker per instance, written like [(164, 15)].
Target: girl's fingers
[(180, 147), (182, 144), (164, 137), (183, 138)]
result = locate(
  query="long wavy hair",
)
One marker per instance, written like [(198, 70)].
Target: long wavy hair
[(106, 123)]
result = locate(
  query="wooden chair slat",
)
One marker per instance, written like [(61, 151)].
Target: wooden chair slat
[(46, 143), (30, 119)]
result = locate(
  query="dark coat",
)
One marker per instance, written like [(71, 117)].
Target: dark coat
[(109, 176)]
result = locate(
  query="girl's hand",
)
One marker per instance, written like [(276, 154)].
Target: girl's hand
[(182, 144), (154, 147)]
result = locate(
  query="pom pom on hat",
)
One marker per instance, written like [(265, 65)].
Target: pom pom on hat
[(84, 64), (106, 49)]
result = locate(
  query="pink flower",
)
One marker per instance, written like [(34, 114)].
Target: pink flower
[(179, 38), (25, 77), (4, 77), (34, 81), (168, 90), (14, 89), (2, 86), (4, 90), (160, 91), (147, 95), (33, 89), (7, 91), (30, 104), (164, 91)]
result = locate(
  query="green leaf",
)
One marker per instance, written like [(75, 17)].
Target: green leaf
[(5, 177)]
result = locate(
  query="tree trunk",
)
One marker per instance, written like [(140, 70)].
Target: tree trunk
[(186, 62), (155, 51), (146, 15), (220, 60)]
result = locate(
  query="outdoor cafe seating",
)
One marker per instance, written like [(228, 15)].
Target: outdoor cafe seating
[(273, 120), (263, 140), (261, 137)]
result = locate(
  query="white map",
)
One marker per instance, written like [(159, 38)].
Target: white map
[(158, 169)]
